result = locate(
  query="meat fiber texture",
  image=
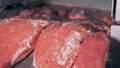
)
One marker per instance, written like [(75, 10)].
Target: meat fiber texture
[(18, 38), (93, 51), (76, 44)]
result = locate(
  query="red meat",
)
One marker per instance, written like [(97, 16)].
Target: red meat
[(17, 39), (77, 14), (87, 13), (62, 13), (93, 51), (105, 19), (28, 12), (80, 44), (44, 12), (58, 45), (48, 12), (7, 20), (35, 12)]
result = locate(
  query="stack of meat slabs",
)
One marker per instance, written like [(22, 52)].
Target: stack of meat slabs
[(73, 44), (71, 37), (18, 38)]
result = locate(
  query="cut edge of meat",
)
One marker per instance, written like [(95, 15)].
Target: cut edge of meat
[(27, 41), (27, 45), (19, 57), (34, 62)]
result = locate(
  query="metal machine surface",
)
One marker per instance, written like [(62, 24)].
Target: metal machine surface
[(99, 4), (4, 3)]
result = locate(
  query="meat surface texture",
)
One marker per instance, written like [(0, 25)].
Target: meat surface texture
[(93, 52), (17, 39), (61, 49), (75, 44), (61, 36)]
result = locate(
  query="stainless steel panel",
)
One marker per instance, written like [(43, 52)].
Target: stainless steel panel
[(101, 4), (115, 46), (117, 18), (116, 10)]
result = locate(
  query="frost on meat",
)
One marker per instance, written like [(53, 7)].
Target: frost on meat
[(75, 44), (58, 45), (17, 39)]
